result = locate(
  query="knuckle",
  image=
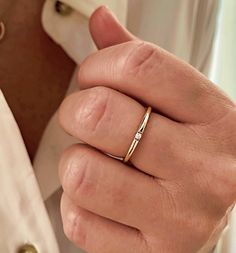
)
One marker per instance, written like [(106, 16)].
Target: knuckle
[(145, 58), (64, 110), (77, 180), (93, 112), (75, 228), (65, 160), (83, 75)]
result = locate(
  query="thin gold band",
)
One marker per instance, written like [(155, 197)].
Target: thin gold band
[(138, 134)]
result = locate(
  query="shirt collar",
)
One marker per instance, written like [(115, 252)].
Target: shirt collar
[(71, 31)]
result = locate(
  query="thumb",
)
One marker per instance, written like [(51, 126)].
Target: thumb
[(106, 30)]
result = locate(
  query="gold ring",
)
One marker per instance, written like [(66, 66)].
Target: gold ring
[(138, 135)]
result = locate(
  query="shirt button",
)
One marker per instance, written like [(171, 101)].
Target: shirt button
[(27, 248), (63, 8)]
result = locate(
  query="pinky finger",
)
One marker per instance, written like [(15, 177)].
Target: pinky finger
[(96, 234)]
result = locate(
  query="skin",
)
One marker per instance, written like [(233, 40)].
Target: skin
[(179, 187), (32, 85)]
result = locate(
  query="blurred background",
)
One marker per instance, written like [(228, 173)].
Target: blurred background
[(224, 58)]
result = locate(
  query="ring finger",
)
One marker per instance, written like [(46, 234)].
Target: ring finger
[(108, 120)]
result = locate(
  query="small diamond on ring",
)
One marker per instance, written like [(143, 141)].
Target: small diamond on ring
[(138, 136)]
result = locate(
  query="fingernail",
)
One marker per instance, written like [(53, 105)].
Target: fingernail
[(108, 11)]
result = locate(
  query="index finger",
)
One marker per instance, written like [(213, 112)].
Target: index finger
[(157, 78)]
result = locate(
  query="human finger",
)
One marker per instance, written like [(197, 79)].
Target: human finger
[(97, 234), (106, 30), (107, 187), (108, 121), (155, 77)]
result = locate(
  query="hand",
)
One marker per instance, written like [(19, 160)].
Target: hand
[(175, 194)]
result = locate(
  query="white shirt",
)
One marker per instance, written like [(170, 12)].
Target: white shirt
[(30, 194)]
